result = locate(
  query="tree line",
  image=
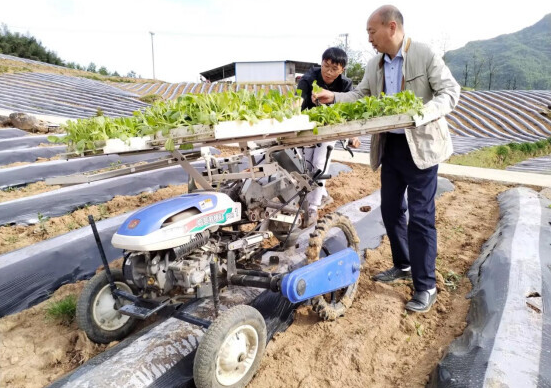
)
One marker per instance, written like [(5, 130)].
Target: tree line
[(493, 71), (28, 47)]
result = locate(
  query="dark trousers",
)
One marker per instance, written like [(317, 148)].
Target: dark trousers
[(414, 243)]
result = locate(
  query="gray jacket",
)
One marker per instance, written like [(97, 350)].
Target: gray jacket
[(425, 73)]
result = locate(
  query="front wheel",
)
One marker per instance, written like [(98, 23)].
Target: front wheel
[(96, 313), (231, 350)]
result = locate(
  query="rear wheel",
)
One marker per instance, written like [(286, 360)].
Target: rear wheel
[(332, 305), (96, 313), (231, 350)]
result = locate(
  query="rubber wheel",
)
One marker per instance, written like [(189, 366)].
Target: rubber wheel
[(344, 298), (231, 350), (96, 313)]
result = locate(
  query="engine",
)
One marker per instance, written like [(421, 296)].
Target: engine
[(157, 273)]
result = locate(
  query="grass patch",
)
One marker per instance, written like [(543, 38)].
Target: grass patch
[(63, 311), (150, 98), (13, 69), (500, 157), (99, 77)]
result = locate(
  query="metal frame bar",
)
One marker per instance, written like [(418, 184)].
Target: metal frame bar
[(83, 178), (180, 159)]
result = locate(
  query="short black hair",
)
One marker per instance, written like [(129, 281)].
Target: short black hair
[(335, 55)]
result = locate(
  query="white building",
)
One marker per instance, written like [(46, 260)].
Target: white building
[(259, 72)]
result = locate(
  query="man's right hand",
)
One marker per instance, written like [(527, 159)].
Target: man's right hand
[(324, 97)]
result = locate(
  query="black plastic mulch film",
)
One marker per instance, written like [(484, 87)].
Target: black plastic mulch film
[(29, 154), (67, 199), (30, 173), (466, 361)]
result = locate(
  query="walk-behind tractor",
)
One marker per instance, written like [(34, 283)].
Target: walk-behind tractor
[(195, 245)]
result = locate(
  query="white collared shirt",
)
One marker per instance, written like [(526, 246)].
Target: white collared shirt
[(393, 77)]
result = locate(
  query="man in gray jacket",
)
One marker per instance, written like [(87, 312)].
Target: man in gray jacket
[(409, 157)]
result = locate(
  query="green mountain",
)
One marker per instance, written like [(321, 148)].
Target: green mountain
[(520, 60)]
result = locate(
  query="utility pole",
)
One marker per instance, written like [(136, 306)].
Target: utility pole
[(152, 57), (346, 36)]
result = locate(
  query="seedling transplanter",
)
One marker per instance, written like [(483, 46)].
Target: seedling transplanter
[(194, 245)]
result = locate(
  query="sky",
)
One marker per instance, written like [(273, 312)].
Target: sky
[(191, 36)]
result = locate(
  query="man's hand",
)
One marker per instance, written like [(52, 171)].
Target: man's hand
[(324, 97), (354, 142)]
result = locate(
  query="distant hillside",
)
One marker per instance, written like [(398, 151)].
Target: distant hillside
[(25, 46), (28, 47), (520, 60)]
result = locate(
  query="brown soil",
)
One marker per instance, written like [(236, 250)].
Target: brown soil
[(376, 344), (26, 191)]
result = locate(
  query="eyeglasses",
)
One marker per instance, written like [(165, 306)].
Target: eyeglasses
[(332, 68)]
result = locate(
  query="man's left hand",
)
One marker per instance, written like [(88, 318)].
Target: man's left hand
[(323, 97), (354, 142)]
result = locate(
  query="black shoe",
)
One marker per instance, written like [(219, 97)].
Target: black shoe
[(421, 301), (392, 274)]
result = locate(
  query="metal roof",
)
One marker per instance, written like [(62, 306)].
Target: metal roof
[(229, 70)]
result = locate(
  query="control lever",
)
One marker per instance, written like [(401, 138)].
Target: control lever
[(329, 150), (318, 174), (345, 145)]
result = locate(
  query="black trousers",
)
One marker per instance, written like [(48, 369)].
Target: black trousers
[(414, 243)]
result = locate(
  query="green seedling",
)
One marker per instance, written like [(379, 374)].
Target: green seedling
[(11, 239), (458, 229), (404, 102), (42, 223), (315, 88), (84, 135), (419, 329), (452, 280), (104, 213)]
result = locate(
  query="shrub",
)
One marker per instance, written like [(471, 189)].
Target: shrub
[(502, 151), (541, 144), (532, 148), (525, 148), (513, 146)]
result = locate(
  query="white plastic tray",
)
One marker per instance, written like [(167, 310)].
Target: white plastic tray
[(132, 144), (237, 129)]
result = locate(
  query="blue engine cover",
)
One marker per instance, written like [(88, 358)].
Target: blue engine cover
[(152, 217), (328, 274)]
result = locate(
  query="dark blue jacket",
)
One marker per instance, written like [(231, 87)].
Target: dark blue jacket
[(340, 84)]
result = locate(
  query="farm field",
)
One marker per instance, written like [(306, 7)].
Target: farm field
[(376, 344), (375, 335)]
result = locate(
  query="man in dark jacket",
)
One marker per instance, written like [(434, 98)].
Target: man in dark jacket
[(329, 76)]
